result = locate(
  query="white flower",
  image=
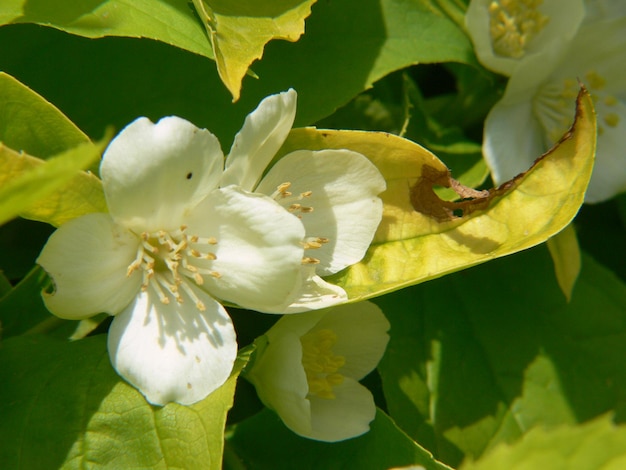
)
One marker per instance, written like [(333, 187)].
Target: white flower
[(172, 243), (333, 192), (506, 33), (309, 368), (532, 116)]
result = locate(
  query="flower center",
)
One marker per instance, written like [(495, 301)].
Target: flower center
[(553, 105), (513, 24), (320, 363), (170, 260), (294, 205)]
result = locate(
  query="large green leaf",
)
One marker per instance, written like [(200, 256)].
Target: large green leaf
[(422, 237), (263, 442), (378, 36), (479, 357), (53, 190), (239, 31), (63, 405), (595, 445), (169, 21)]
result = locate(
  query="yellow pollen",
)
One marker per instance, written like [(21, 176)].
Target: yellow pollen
[(294, 207), (513, 24), (611, 119), (595, 81), (310, 260), (168, 262), (320, 364)]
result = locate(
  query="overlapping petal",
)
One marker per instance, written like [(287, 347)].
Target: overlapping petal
[(344, 188), (346, 416), (87, 259), (258, 250), (153, 174), (281, 382), (263, 132), (362, 346), (172, 352)]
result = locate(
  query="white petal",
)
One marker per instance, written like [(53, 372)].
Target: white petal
[(263, 132), (362, 346), (315, 293), (174, 352), (87, 258), (153, 173), (281, 383), (609, 172), (513, 139), (346, 416), (259, 251), (346, 207)]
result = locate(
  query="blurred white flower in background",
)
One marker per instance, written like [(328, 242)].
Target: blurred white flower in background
[(533, 114)]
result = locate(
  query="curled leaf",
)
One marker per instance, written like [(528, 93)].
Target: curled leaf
[(422, 237)]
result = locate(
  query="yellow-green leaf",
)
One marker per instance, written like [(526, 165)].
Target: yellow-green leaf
[(52, 191), (565, 253), (597, 444), (238, 32), (31, 124), (413, 246)]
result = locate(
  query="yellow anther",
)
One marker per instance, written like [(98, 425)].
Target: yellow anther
[(611, 119), (321, 365), (310, 260), (513, 24), (595, 80)]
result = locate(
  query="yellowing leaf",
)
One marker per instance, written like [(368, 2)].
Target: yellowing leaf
[(238, 32), (565, 253), (422, 237), (52, 191)]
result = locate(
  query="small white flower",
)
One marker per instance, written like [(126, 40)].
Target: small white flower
[(532, 116), (506, 33), (308, 370), (333, 192), (172, 243)]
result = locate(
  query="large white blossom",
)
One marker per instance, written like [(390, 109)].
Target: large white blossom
[(171, 244), (309, 367), (183, 234), (539, 101)]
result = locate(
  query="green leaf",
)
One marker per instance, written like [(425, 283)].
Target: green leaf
[(63, 405), (240, 30), (52, 191), (422, 237), (31, 124), (378, 36), (169, 21), (263, 442), (597, 444), (480, 357), (565, 254)]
